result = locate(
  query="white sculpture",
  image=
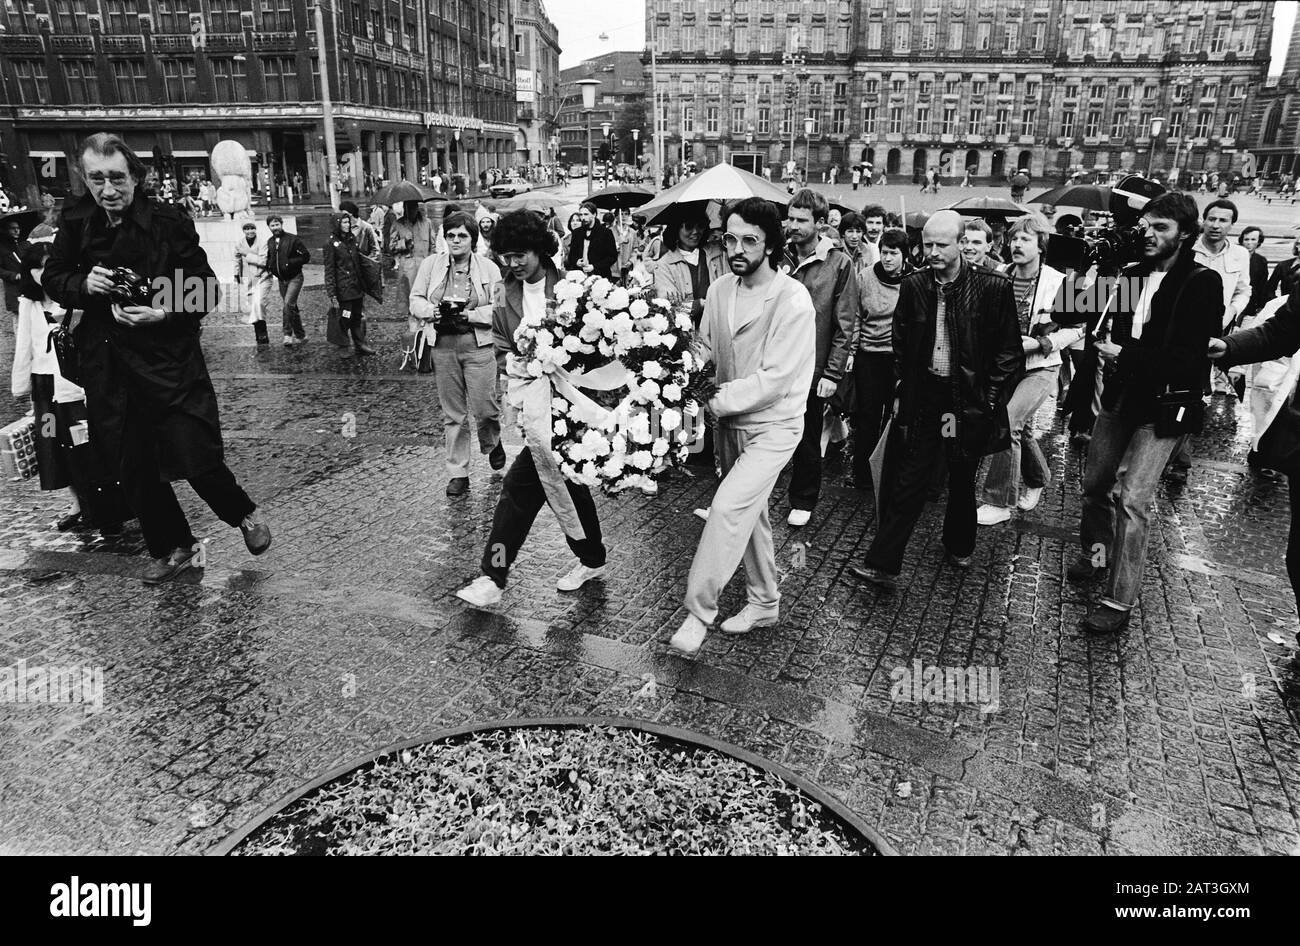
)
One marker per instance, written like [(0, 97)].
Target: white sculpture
[(231, 165)]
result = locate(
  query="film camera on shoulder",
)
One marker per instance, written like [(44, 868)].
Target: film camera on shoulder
[(1111, 245)]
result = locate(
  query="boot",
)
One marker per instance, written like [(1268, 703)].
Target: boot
[(259, 329), (358, 338)]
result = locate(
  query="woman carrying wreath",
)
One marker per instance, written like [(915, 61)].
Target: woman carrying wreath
[(524, 244)]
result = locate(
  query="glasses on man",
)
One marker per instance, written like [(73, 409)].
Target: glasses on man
[(117, 179), (748, 242)]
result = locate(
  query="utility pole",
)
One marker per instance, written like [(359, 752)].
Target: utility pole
[(332, 184)]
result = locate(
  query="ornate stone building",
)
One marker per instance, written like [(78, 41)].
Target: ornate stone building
[(1273, 134), (537, 81), (431, 79), (992, 85), (620, 100)]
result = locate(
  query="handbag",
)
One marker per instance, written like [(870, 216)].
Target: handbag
[(372, 277), (335, 333), (419, 354), (63, 339)]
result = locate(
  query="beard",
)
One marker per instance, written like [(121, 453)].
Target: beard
[(741, 265)]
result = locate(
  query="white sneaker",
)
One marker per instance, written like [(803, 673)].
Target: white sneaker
[(481, 592), (748, 618), (799, 517), (1031, 498), (988, 515), (703, 514), (651, 490), (578, 576), (690, 636)]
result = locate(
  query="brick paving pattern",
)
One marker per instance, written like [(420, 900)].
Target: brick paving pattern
[(234, 685)]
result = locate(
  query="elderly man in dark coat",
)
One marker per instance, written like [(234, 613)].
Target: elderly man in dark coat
[(151, 405)]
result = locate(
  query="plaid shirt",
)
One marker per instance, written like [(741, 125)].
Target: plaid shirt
[(941, 357)]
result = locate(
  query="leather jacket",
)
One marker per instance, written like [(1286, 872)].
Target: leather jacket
[(988, 359)]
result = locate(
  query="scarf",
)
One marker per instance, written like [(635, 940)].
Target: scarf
[(890, 280)]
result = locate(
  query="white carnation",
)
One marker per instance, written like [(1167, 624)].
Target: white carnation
[(672, 392), (571, 343), (559, 405), (642, 459), (575, 276), (688, 361), (683, 322), (617, 299), (659, 323), (638, 309), (649, 390), (561, 428), (652, 370), (659, 448), (670, 420)]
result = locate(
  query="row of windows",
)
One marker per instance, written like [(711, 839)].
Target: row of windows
[(795, 7), (949, 121), (173, 16), (1097, 39), (1123, 90)]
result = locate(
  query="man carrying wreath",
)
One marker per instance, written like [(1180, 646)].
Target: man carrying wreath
[(758, 327), (525, 245)]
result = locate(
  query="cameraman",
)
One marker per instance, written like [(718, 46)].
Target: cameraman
[(151, 406), (455, 291), (1152, 341)]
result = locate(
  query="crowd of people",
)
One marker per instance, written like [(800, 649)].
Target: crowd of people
[(925, 353)]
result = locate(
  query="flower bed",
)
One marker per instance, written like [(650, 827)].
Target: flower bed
[(548, 790)]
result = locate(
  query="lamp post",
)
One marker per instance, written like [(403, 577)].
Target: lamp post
[(588, 87), (1157, 124), (797, 63), (807, 151), (555, 156)]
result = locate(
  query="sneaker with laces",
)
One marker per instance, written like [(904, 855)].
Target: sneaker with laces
[(988, 515), (578, 576), (481, 592), (689, 637), (1030, 500), (748, 618), (799, 517)]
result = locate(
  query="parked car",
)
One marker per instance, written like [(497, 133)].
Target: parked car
[(598, 171), (578, 170), (509, 188)]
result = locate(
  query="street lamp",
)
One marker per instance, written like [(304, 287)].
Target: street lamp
[(807, 152), (588, 87), (609, 151), (636, 150), (555, 156), (1157, 124)]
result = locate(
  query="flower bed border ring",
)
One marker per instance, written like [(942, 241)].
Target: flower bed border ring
[(834, 807)]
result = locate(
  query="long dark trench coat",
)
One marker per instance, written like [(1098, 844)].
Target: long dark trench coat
[(149, 382)]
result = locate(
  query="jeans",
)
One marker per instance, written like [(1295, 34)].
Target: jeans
[(806, 477), (739, 528), (522, 498), (873, 378), (291, 318), (466, 376), (1119, 483), (922, 450), (1293, 539), (1024, 459)]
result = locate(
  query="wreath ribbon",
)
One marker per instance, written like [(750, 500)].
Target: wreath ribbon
[(533, 395)]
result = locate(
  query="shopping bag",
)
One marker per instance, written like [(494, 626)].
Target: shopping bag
[(882, 461), (18, 448), (335, 331)]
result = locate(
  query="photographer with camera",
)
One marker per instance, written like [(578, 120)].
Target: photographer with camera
[(151, 406), (1151, 342), (455, 291)]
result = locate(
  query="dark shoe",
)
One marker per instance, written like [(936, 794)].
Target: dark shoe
[(165, 569), (956, 561), (363, 349), (458, 486), (1106, 620), (1082, 569), (259, 330), (1176, 473), (257, 534), (874, 576), (69, 521), (497, 458), (111, 529)]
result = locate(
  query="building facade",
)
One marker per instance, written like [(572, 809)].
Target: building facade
[(431, 81), (537, 82), (1273, 132), (620, 100), (990, 85)]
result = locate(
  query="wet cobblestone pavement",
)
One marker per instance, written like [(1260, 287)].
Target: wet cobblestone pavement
[(234, 685)]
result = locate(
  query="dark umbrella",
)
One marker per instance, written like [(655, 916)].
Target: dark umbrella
[(1086, 196), (402, 191), (988, 207), (915, 220), (621, 197), (27, 220)]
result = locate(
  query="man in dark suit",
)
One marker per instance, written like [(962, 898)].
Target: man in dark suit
[(593, 248)]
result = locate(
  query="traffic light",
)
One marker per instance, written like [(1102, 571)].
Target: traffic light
[(424, 157)]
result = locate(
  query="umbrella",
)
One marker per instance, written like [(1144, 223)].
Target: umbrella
[(722, 182), (402, 191), (538, 202), (916, 220), (621, 197), (987, 207), (1086, 196), (27, 220)]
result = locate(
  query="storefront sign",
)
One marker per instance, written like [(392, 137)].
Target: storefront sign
[(443, 120), (525, 89)]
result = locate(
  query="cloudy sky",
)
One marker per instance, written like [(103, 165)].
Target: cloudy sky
[(581, 22)]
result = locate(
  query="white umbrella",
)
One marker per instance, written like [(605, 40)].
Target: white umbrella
[(720, 183)]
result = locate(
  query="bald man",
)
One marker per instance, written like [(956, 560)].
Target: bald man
[(958, 352)]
